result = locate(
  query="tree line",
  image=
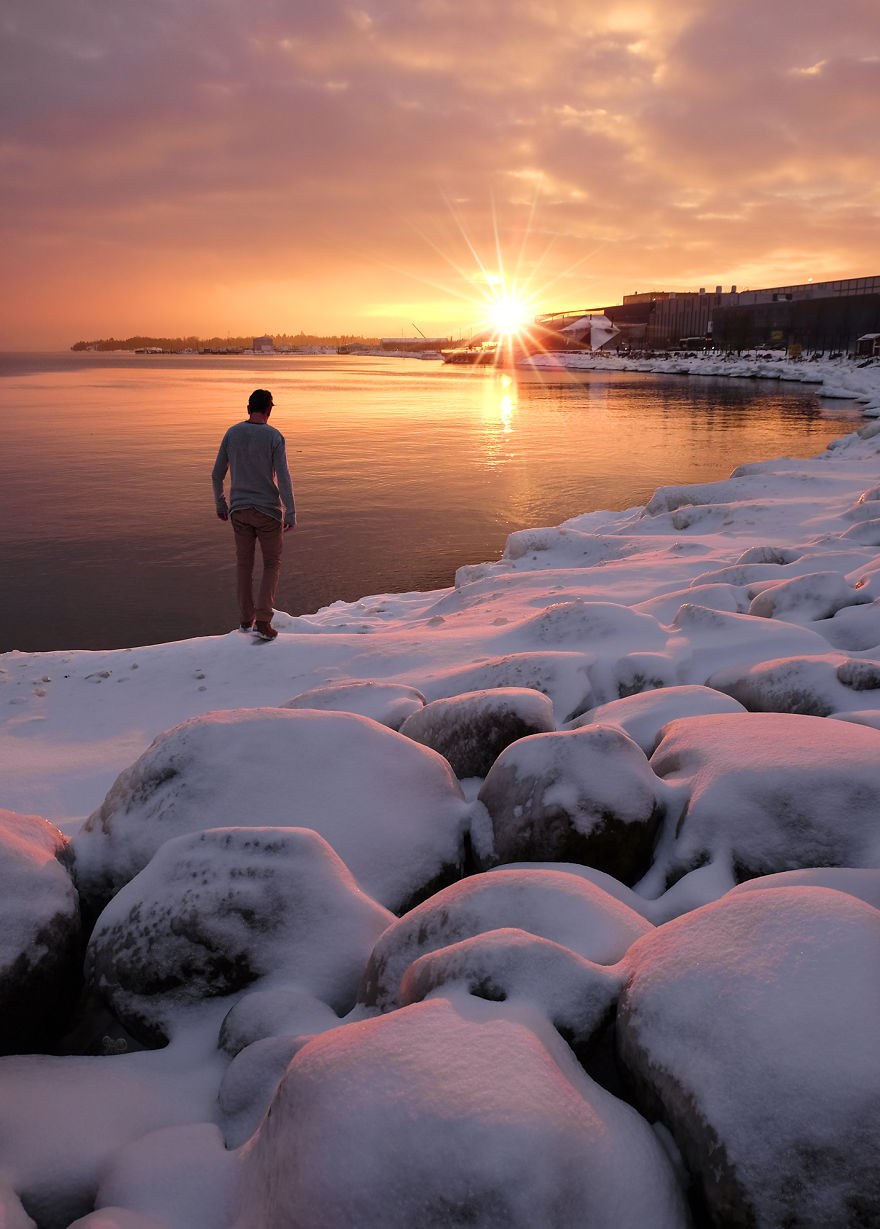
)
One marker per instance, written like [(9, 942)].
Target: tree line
[(173, 344)]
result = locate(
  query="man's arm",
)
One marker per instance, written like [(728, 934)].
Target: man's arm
[(218, 473), (285, 486)]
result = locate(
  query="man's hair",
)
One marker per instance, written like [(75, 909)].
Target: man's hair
[(259, 401)]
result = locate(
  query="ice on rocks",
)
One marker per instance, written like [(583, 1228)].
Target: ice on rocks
[(447, 1112), (553, 904), (39, 932), (585, 795), (750, 1028), (767, 792), (472, 730), (392, 810), (214, 911)]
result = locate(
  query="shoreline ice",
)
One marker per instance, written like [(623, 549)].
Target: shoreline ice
[(698, 678)]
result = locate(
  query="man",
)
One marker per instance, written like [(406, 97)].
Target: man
[(256, 457)]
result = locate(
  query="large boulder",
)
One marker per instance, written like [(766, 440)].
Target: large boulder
[(391, 809), (749, 1027), (552, 904), (451, 1113), (472, 730), (39, 933), (768, 792), (584, 795), (217, 910)]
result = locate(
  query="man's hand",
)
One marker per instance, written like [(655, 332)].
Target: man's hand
[(223, 516)]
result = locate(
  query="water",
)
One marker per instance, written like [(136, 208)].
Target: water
[(403, 470)]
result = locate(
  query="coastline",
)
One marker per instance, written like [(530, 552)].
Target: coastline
[(620, 556), (642, 931)]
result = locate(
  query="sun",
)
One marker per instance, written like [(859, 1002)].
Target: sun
[(508, 314)]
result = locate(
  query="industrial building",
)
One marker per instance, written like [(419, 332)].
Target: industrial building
[(832, 316)]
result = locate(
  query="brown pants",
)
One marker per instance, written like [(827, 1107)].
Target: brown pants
[(252, 526)]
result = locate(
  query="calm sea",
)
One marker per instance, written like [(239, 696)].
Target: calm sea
[(403, 470)]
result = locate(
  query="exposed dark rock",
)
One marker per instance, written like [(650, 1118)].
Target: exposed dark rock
[(39, 934), (472, 730), (585, 795), (216, 910)]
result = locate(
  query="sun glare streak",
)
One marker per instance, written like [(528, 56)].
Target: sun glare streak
[(505, 302)]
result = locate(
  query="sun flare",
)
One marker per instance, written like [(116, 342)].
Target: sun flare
[(508, 314)]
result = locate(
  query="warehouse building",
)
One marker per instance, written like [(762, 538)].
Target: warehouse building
[(830, 316)]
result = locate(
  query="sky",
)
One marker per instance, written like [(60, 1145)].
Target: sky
[(224, 167)]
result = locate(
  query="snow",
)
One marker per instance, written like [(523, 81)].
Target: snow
[(711, 662), (552, 904), (778, 988), (456, 1112), (391, 809)]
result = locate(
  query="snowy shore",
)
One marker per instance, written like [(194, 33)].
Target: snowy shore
[(550, 899)]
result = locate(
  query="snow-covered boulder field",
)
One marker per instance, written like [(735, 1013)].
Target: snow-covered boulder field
[(547, 901)]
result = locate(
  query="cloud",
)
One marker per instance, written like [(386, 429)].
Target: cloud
[(321, 146)]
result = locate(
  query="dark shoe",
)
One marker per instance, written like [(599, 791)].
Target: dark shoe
[(265, 630), (247, 627)]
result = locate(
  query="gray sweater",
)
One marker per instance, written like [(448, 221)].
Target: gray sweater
[(256, 457)]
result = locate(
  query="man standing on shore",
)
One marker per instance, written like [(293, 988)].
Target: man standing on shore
[(260, 506)]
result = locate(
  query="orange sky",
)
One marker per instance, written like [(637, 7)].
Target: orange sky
[(230, 166)]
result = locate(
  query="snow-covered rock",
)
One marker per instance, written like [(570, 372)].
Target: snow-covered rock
[(392, 810), (584, 795), (388, 703), (509, 965), (749, 1027), (448, 1112), (273, 1011), (249, 1083), (552, 904), (642, 715), (562, 674), (767, 792), (816, 686), (864, 884), (214, 911), (39, 933), (472, 730), (818, 595)]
